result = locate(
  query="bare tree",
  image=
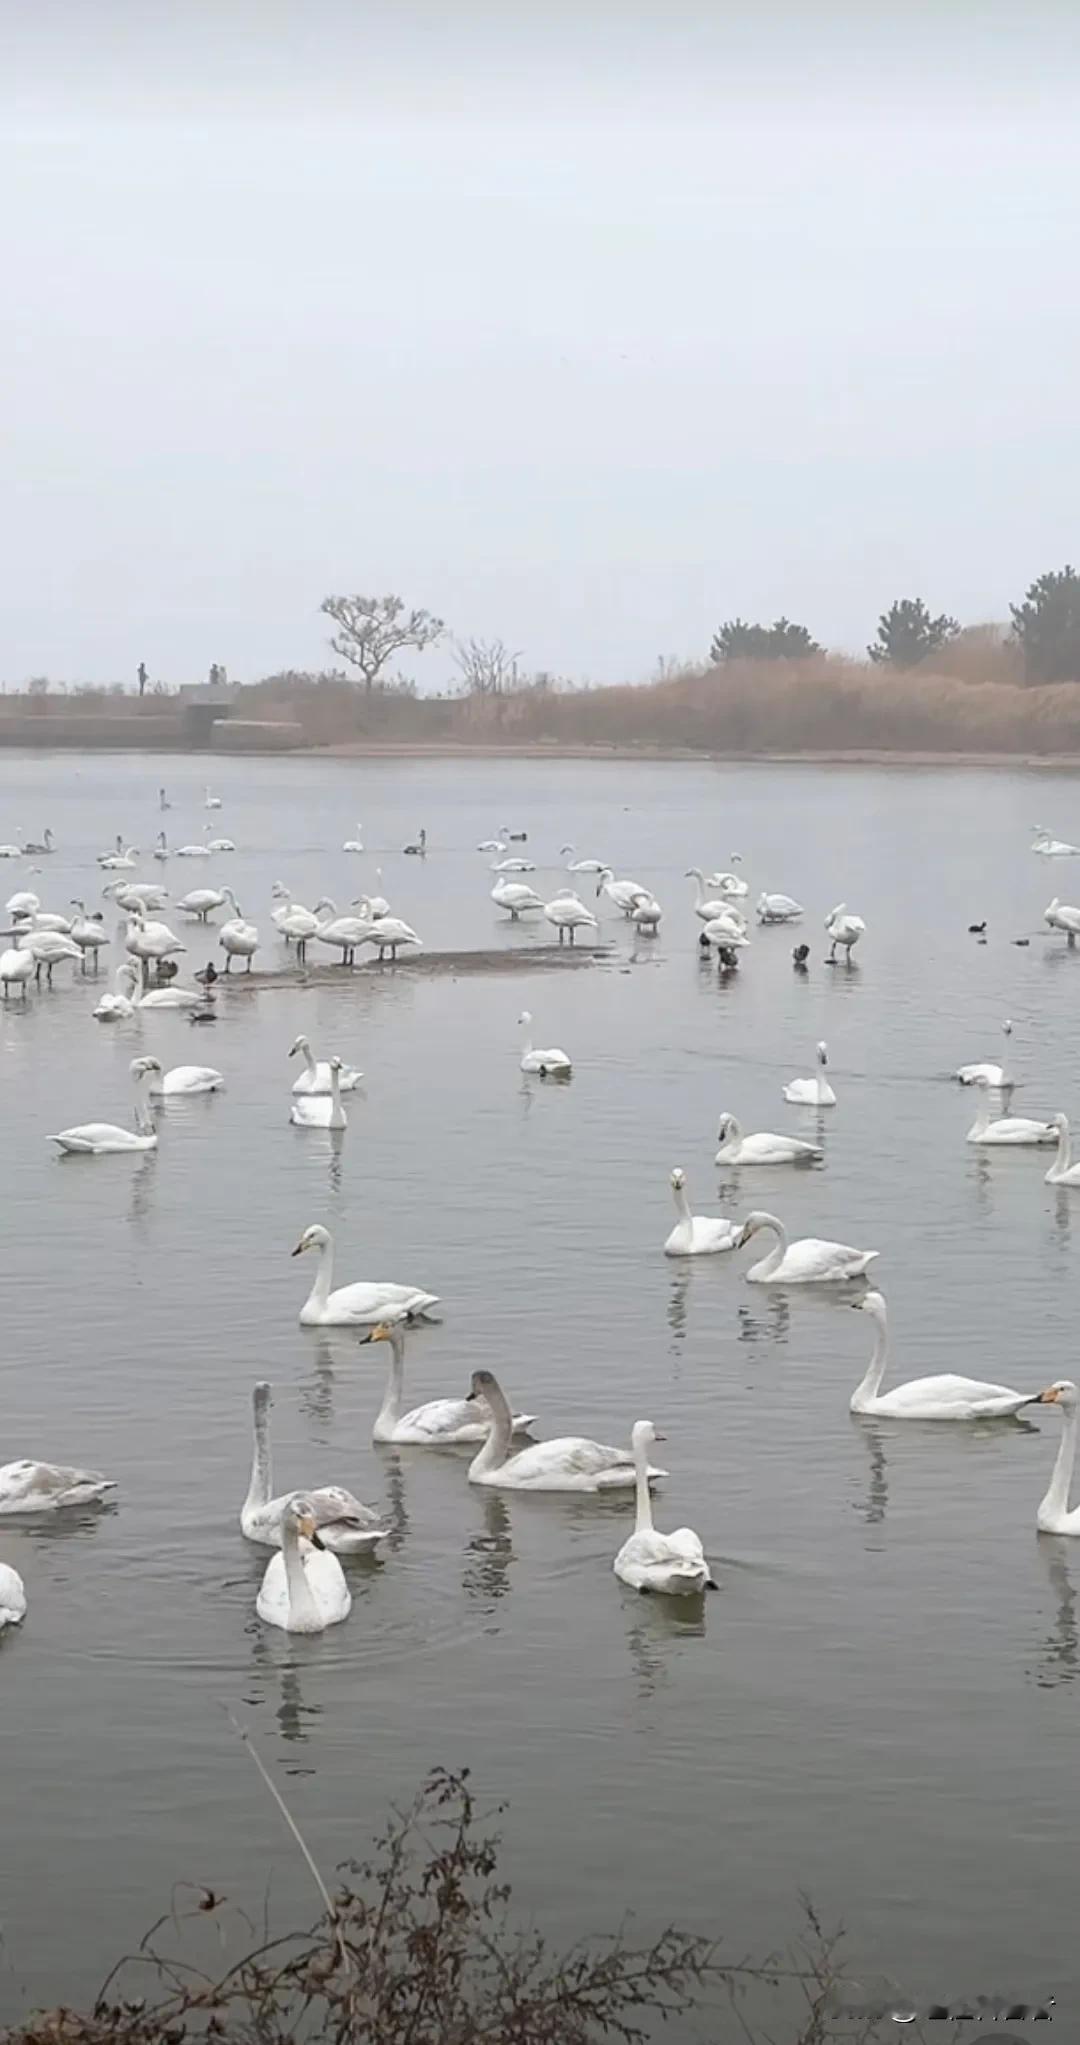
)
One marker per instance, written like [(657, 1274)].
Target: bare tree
[(373, 628), (487, 666)]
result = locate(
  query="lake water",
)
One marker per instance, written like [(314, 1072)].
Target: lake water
[(880, 1706)]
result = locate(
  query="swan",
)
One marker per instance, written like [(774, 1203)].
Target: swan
[(1053, 1516), (728, 884), (697, 1235), (101, 1139), (491, 845), (12, 1597), (187, 1079), (299, 925), (515, 896), (321, 1111), (373, 905), (571, 1463), (46, 844), (131, 894), (355, 844), (44, 919), (316, 1077), (1051, 848), (122, 860), (514, 866), (994, 1075), (1063, 916), (1062, 1172), (809, 1261), (778, 909), (724, 929), (200, 901), (351, 1306), (574, 865), (346, 1526), (212, 801), (1011, 1129), (812, 1093), (194, 852), (11, 852), (646, 914), (28, 1486), (704, 907), (390, 933), (23, 904), (220, 845), (87, 933), (150, 942), (304, 1589), (624, 893), (161, 849), (48, 948), (937, 1398), (568, 915), (343, 932), (16, 968), (172, 997), (440, 1421), (119, 1005), (761, 1149), (240, 940), (672, 1564), (844, 929), (553, 1061)]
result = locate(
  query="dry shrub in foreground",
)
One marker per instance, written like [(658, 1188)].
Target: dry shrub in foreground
[(417, 1949)]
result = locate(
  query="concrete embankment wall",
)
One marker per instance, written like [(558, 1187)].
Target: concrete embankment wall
[(151, 733)]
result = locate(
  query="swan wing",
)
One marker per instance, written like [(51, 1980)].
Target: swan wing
[(361, 1303), (949, 1397), (26, 1486), (813, 1257), (96, 1136)]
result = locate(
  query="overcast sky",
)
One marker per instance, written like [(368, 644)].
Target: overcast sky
[(584, 325)]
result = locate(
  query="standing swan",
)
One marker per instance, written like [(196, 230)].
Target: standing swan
[(812, 1260), (440, 1421), (697, 1235), (1053, 1516), (812, 1093), (357, 1305), (240, 939), (571, 1463), (673, 1564), (843, 929), (304, 1589), (553, 1062), (345, 1525), (762, 1148), (321, 1111), (1063, 1172), (936, 1398), (100, 1139)]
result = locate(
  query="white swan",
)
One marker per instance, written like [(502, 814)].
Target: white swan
[(150, 942), (514, 865), (812, 1093), (697, 1235), (1063, 916), (304, 1589), (778, 909), (843, 929), (12, 1596), (646, 914), (1062, 1172), (122, 860), (173, 997), (24, 903), (101, 1139), (624, 893), (811, 1260), (568, 915), (671, 1564), (728, 884), (16, 968), (90, 935), (344, 933), (161, 849), (135, 894), (299, 925), (220, 845), (200, 901), (725, 929), (552, 1061), (994, 1075), (212, 801), (373, 906), (239, 940), (31, 1487), (11, 852), (316, 1077), (346, 1526), (48, 948), (706, 907), (1052, 848), (389, 933), (118, 1006), (571, 1463), (358, 1305), (46, 919), (187, 1079), (575, 865), (937, 1398), (321, 1111), (515, 896), (1010, 1129), (355, 844), (491, 845), (1053, 1516), (762, 1148), (194, 852), (440, 1421)]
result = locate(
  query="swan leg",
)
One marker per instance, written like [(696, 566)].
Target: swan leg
[(1072, 940), (250, 957), (228, 960)]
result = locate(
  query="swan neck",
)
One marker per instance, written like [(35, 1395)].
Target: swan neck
[(301, 1603), (497, 1446), (779, 1250), (261, 1475), (1063, 1160), (320, 1291), (682, 1203), (310, 1060), (982, 1114), (870, 1386), (1056, 1503), (643, 1520), (390, 1410)]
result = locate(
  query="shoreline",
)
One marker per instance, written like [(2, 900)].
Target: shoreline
[(449, 749)]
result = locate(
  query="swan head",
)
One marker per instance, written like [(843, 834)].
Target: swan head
[(300, 1517), (524, 1019), (313, 1238), (392, 1330), (872, 1303), (678, 1180), (1063, 1394), (1059, 1122), (840, 910), (298, 1044), (337, 1064), (727, 1127), (822, 1054), (751, 1226), (643, 1434), (694, 873)]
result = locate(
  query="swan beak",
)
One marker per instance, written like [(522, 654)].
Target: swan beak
[(315, 1537), (1047, 1398), (299, 1247), (657, 1436)]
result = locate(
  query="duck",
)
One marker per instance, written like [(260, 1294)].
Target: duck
[(29, 1486), (515, 837), (345, 1525), (697, 1235), (812, 1093), (1065, 917), (119, 1005), (553, 1063), (321, 1111), (1006, 1129), (186, 1079), (762, 1148), (16, 968), (102, 1139), (304, 1588), (568, 915), (934, 1398), (208, 974), (515, 896), (571, 1463), (843, 929), (1062, 1172), (1054, 1516), (778, 909), (316, 1077), (359, 1305), (994, 1075), (673, 1565), (800, 957), (812, 1260), (438, 1424), (977, 929), (239, 940), (12, 1597)]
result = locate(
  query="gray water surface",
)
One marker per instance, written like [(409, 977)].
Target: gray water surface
[(880, 1704)]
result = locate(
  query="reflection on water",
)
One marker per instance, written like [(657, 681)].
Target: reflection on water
[(654, 1626), (1059, 1658), (768, 1323), (486, 1576), (872, 1507)]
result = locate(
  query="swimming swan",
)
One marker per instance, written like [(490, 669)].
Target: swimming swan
[(357, 1305), (187, 1079), (1063, 1172), (355, 844), (1051, 848), (809, 1261), (937, 1398), (27, 1486), (761, 1149), (575, 865), (101, 1139), (812, 1093), (697, 1235), (571, 1463), (1053, 1516), (12, 1596), (116, 1007), (672, 1564), (316, 1077), (440, 1421), (552, 1061), (994, 1075), (346, 1526), (321, 1111), (1007, 1129), (304, 1589)]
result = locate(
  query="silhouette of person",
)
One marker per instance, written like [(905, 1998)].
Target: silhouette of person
[(143, 677)]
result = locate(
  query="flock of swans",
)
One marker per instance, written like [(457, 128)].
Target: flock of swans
[(310, 1527)]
